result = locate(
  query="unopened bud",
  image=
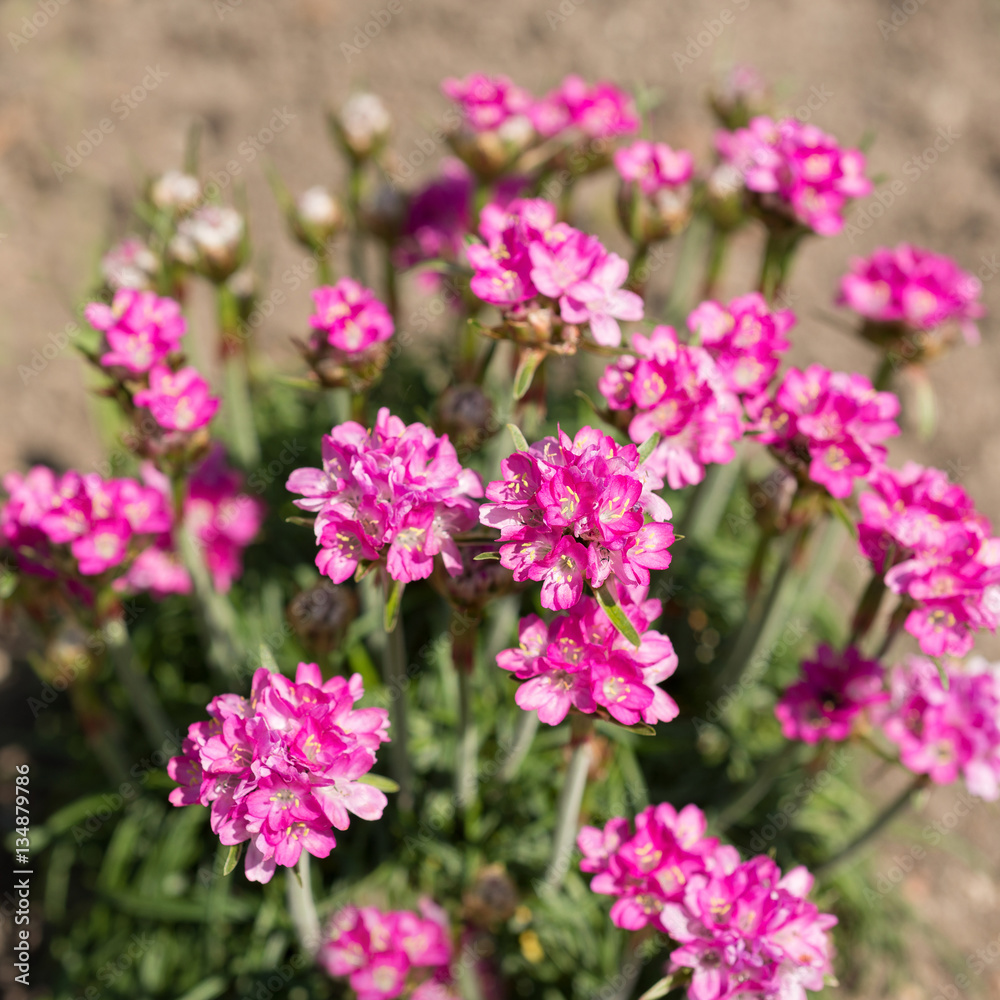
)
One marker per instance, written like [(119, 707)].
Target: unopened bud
[(320, 615), (175, 191), (363, 125), (210, 240), (129, 264), (318, 216)]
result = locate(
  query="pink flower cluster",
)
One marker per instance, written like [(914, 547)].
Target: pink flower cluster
[(924, 534), (528, 255), (746, 339), (654, 166), (142, 331), (386, 953), (124, 525), (140, 328), (78, 523), (944, 731), (396, 492), (831, 421), (834, 689), (599, 111), (797, 170), (677, 391), (742, 928), (915, 287), (574, 510), (282, 768), (350, 316), (579, 660)]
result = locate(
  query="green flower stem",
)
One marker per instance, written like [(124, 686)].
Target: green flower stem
[(637, 280), (466, 746), (570, 801), (141, 693), (882, 379), (882, 820), (779, 252), (302, 906), (239, 411), (718, 244), (867, 609), (520, 746), (685, 286), (397, 683), (356, 243)]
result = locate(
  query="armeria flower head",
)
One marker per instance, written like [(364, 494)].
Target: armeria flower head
[(914, 288), (947, 729), (386, 953), (749, 931), (654, 201), (78, 524), (924, 534), (599, 111), (179, 401), (653, 166), (796, 170), (395, 494), (579, 660), (677, 391), (281, 768), (486, 102), (575, 509), (746, 339), (129, 264), (140, 328), (829, 423), (438, 216), (531, 261), (835, 688), (350, 316)]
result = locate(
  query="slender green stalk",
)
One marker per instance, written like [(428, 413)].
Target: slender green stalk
[(638, 271), (524, 736), (356, 244), (466, 746), (397, 683), (867, 609), (717, 247), (570, 802), (685, 286), (141, 693), (882, 379), (239, 409), (302, 906), (884, 818)]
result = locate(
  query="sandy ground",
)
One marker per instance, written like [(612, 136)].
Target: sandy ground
[(914, 74)]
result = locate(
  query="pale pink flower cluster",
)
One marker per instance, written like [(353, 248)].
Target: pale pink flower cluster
[(924, 534), (143, 334), (743, 929), (832, 423), (746, 339), (389, 953), (601, 110), (350, 317), (396, 493), (283, 768), (573, 510), (78, 523), (530, 261), (797, 170), (580, 661), (677, 391), (947, 729), (833, 691), (653, 166), (917, 288)]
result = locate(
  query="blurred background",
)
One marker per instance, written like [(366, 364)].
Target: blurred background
[(128, 80)]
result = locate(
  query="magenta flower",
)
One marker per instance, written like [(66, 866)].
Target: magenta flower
[(947, 731), (797, 170), (396, 493), (580, 661), (923, 533), (140, 328), (350, 316), (486, 102), (179, 401), (129, 264), (282, 768), (742, 928), (746, 339), (601, 111), (383, 953), (573, 510), (830, 422), (438, 216), (653, 166), (913, 287), (678, 392), (531, 261), (835, 688)]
